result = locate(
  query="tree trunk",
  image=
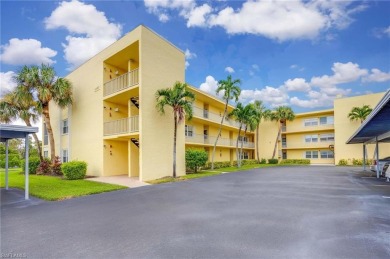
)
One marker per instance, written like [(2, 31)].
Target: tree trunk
[(257, 144), (36, 141), (219, 133), (46, 117), (242, 144), (174, 147), (276, 142), (237, 154)]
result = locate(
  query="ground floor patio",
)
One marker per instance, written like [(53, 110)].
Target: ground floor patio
[(279, 212)]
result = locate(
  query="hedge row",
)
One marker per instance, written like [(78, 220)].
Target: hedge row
[(295, 162), (74, 170)]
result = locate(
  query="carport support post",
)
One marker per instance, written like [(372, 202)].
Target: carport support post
[(26, 172), (377, 156), (364, 157), (6, 164)]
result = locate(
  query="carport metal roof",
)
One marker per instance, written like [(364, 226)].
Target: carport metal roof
[(377, 125), (8, 132)]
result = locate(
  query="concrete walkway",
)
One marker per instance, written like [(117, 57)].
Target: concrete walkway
[(124, 180)]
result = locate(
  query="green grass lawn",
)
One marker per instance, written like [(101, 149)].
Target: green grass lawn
[(207, 173), (54, 188)]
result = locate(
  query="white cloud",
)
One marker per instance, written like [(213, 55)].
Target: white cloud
[(197, 16), (279, 20), (342, 73), (255, 67), (269, 95), (210, 85), (26, 52), (94, 30), (189, 54), (229, 70), (297, 84), (187, 64), (7, 84), (377, 76)]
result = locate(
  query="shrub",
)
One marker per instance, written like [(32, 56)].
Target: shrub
[(44, 167), (295, 162), (357, 161), (74, 170), (343, 162), (217, 165), (56, 167), (33, 163), (13, 160), (273, 161), (249, 162), (263, 161), (195, 158)]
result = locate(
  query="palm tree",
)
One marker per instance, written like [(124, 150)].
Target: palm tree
[(359, 113), (261, 112), (281, 114), (231, 92), (11, 110), (180, 99), (42, 84), (247, 117)]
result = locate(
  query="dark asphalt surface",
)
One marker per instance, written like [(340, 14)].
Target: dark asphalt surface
[(280, 212)]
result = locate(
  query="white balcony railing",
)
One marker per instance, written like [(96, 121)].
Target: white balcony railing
[(202, 113), (121, 82), (307, 128), (122, 126), (210, 140)]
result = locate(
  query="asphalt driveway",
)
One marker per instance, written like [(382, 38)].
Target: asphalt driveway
[(279, 212)]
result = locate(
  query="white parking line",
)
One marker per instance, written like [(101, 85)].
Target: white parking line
[(386, 197)]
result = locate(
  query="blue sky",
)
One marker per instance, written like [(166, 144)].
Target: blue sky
[(298, 53)]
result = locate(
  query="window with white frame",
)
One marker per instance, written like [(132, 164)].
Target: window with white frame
[(311, 154), (45, 135), (310, 122), (245, 155), (189, 131), (327, 137), (327, 154), (311, 138), (65, 128), (326, 120), (45, 153), (64, 155)]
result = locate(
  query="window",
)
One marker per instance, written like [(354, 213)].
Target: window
[(65, 128), (327, 137), (284, 142), (326, 120), (311, 122), (64, 155), (189, 131), (327, 154), (45, 153), (284, 155), (45, 135), (311, 154), (245, 155), (311, 138)]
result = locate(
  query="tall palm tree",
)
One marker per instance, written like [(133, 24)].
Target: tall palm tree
[(231, 91), (359, 113), (247, 118), (42, 84), (27, 111), (262, 113), (180, 99), (281, 114)]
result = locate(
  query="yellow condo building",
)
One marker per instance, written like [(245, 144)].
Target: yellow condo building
[(114, 126)]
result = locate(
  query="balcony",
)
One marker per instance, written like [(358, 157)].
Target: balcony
[(214, 117), (291, 129), (122, 82), (121, 126), (210, 140), (306, 145)]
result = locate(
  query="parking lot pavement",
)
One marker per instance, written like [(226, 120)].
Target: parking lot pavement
[(278, 212)]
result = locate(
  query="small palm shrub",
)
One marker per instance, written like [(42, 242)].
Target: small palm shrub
[(74, 170)]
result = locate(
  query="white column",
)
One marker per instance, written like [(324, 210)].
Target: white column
[(26, 172), (364, 157), (6, 164), (377, 156)]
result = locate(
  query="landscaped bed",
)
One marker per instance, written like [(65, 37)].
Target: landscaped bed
[(53, 188)]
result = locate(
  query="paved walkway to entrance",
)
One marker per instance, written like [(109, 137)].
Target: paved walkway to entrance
[(124, 180), (276, 212)]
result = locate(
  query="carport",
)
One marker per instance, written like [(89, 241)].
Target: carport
[(374, 130), (8, 132)]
